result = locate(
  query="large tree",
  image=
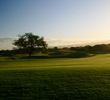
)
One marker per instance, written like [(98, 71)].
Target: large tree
[(30, 43)]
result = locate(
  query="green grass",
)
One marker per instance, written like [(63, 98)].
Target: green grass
[(55, 79)]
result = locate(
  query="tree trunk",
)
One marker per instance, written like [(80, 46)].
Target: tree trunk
[(30, 55)]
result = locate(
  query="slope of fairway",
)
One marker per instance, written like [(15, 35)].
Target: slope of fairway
[(55, 79)]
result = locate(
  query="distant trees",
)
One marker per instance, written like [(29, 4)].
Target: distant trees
[(98, 48), (30, 43)]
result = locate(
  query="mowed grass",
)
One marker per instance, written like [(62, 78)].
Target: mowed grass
[(55, 79)]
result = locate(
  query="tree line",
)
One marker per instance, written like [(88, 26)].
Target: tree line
[(30, 44)]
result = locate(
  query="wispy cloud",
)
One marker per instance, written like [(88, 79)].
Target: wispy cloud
[(68, 43), (6, 39), (6, 43)]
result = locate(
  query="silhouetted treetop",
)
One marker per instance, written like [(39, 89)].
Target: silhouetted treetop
[(30, 42)]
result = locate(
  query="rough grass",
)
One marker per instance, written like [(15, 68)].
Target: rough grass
[(55, 79)]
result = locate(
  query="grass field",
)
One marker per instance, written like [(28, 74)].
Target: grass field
[(55, 79)]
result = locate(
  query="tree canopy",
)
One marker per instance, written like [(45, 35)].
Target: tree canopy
[(30, 43)]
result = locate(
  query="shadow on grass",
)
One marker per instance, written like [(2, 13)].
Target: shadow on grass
[(56, 55)]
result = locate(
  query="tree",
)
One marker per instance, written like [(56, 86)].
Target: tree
[(30, 43)]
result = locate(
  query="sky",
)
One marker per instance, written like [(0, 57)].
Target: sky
[(60, 22)]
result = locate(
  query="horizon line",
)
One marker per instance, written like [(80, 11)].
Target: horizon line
[(6, 43)]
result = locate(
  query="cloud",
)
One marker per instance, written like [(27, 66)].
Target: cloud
[(6, 43), (70, 43), (6, 39)]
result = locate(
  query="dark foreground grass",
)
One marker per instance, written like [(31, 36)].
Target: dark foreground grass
[(55, 79)]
